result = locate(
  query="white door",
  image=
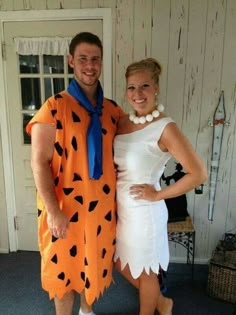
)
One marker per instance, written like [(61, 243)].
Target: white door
[(29, 81)]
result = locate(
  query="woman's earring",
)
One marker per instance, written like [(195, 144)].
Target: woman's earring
[(156, 99), (160, 107)]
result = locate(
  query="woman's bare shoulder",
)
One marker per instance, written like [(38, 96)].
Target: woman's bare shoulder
[(122, 124)]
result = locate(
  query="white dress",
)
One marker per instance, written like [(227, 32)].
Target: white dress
[(141, 237)]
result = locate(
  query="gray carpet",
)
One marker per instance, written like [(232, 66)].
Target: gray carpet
[(21, 293)]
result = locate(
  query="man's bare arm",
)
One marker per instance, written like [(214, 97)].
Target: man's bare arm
[(43, 138)]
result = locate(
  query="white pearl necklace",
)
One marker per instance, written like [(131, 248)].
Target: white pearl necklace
[(143, 119)]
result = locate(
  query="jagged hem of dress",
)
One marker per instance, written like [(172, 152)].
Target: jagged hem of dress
[(136, 270)]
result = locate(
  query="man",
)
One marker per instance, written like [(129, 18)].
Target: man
[(72, 163)]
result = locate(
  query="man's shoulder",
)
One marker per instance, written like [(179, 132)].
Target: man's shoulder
[(59, 99), (63, 95), (111, 101)]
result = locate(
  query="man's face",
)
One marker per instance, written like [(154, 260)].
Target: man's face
[(87, 64)]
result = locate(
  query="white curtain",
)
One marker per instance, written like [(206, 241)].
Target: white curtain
[(55, 46)]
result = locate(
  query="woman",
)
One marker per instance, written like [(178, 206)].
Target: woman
[(145, 141)]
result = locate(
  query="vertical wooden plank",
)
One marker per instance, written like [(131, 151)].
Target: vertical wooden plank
[(142, 28), (6, 5), (107, 4), (230, 223), (160, 51), (53, 4), (177, 59), (160, 41), (71, 4), (85, 4), (124, 47), (227, 182), (175, 72), (19, 5), (192, 99), (26, 4), (112, 5), (214, 48), (194, 68), (38, 4)]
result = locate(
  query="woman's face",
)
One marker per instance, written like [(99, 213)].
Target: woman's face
[(140, 92)]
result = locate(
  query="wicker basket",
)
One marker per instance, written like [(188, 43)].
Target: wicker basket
[(222, 275)]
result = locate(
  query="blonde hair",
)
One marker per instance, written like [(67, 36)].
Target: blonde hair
[(148, 64)]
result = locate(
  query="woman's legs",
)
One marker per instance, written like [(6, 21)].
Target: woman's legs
[(150, 296), (162, 304), (149, 292), (126, 273)]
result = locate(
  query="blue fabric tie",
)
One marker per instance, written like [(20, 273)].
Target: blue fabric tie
[(94, 133)]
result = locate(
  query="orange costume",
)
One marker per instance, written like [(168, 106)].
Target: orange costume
[(84, 259)]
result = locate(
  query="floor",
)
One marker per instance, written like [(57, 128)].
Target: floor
[(21, 293)]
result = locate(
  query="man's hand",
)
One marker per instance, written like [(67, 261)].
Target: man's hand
[(58, 224)]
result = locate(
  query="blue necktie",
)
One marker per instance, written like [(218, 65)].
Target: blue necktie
[(94, 133)]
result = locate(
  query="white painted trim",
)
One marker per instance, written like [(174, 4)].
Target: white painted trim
[(182, 260), (4, 251), (43, 15), (7, 154)]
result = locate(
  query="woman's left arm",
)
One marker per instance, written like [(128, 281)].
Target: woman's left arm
[(180, 148), (174, 141)]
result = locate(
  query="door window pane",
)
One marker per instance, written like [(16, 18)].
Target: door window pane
[(29, 64), (26, 119), (30, 93), (40, 77), (53, 86), (53, 64)]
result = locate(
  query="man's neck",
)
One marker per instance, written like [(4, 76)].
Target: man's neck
[(91, 92)]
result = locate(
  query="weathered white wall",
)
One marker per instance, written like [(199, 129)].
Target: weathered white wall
[(195, 43)]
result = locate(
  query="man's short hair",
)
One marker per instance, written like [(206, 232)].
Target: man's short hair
[(85, 37)]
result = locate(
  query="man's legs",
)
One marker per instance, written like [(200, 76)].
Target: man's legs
[(64, 306), (85, 308)]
